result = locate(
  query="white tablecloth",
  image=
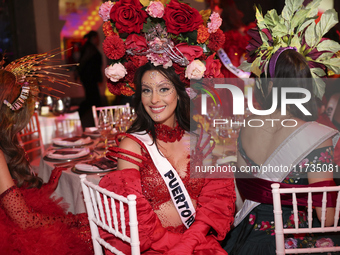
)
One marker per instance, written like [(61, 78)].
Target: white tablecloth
[(69, 186), (68, 123)]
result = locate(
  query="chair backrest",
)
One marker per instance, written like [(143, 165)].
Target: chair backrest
[(102, 211), (68, 127), (112, 108), (30, 137), (333, 109), (280, 231)]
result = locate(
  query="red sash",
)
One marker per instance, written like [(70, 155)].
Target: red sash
[(259, 190)]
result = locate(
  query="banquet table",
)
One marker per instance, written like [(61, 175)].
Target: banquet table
[(69, 186), (61, 125)]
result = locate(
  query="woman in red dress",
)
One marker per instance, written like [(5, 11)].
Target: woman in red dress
[(31, 222), (162, 107)]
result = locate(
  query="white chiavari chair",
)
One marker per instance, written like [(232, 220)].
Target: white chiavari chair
[(280, 231), (101, 209)]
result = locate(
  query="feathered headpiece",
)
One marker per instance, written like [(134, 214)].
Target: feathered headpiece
[(32, 72), (167, 33), (296, 28)]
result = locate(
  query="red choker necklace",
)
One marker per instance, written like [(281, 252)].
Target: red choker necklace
[(168, 134)]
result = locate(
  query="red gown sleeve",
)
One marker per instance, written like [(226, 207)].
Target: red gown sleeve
[(33, 223), (214, 217)]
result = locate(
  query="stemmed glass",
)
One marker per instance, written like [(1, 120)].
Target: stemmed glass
[(105, 125), (223, 136)]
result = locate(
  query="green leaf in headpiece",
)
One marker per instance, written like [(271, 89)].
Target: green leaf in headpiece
[(310, 35), (298, 18), (255, 67), (318, 85), (245, 66), (290, 7), (295, 42), (328, 45), (313, 7), (318, 71), (280, 30), (271, 18), (259, 18), (324, 56), (332, 64), (328, 19)]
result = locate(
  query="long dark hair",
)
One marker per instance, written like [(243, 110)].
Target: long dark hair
[(143, 122), (11, 122), (291, 70)]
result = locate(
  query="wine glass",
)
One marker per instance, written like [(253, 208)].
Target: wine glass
[(224, 137), (105, 125)]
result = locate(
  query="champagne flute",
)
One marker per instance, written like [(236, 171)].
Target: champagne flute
[(223, 136), (105, 125)]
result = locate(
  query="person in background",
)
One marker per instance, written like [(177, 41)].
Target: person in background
[(31, 222), (275, 145), (90, 73)]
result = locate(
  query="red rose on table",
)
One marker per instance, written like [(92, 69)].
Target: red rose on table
[(128, 16), (189, 51), (136, 43), (181, 18), (213, 67)]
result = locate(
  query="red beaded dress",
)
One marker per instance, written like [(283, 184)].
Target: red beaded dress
[(31, 223), (159, 232)]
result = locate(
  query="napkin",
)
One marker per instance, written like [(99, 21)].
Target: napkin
[(69, 142), (60, 154), (97, 165)]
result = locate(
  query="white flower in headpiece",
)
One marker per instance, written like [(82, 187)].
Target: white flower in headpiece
[(195, 70), (115, 72)]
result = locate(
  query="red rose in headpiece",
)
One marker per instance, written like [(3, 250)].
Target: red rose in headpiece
[(181, 18), (137, 43), (190, 51), (213, 67), (128, 16)]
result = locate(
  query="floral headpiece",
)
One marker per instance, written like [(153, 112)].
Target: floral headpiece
[(295, 27), (32, 72), (164, 32)]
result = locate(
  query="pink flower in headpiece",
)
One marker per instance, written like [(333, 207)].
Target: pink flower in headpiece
[(190, 51), (159, 58), (104, 10), (191, 93), (115, 72), (215, 23), (155, 9), (195, 70)]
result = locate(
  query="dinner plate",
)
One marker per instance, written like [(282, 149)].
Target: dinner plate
[(96, 166), (67, 142), (85, 168), (66, 154), (92, 131)]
